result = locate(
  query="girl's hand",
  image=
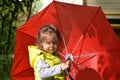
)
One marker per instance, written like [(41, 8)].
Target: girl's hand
[(65, 65)]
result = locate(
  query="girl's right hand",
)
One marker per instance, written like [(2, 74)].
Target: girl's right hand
[(65, 65)]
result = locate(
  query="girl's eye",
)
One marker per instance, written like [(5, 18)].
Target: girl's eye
[(48, 42), (54, 42)]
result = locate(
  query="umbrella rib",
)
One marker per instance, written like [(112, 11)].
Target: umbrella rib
[(81, 48), (62, 29), (76, 66), (87, 59), (64, 43), (77, 43), (61, 54), (85, 55)]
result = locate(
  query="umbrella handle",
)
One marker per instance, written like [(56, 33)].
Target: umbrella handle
[(68, 69), (67, 72)]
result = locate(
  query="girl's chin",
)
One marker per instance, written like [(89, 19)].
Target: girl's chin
[(52, 52), (49, 51)]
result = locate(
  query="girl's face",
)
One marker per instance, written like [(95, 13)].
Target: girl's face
[(50, 45)]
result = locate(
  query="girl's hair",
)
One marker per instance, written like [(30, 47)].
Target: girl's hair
[(47, 30)]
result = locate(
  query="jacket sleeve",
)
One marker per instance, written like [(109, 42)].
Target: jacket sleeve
[(44, 71)]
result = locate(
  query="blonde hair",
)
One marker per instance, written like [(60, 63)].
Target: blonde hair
[(49, 30)]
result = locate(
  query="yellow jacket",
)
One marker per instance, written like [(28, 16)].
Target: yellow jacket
[(35, 55)]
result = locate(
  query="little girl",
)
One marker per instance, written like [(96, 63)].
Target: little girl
[(43, 56)]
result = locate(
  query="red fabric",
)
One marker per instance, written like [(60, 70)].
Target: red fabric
[(86, 31)]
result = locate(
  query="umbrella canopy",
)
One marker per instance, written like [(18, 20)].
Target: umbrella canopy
[(86, 38)]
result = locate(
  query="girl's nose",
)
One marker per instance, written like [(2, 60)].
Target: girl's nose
[(51, 45)]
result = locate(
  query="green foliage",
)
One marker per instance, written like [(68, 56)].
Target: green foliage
[(10, 19), (5, 66), (13, 13), (36, 6)]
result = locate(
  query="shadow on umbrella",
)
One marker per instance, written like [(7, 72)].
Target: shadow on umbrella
[(87, 74)]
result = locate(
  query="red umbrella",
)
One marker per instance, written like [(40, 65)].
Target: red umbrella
[(86, 38)]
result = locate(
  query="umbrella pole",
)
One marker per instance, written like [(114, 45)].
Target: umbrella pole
[(68, 69), (67, 72)]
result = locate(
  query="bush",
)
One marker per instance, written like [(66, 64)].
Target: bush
[(5, 67)]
